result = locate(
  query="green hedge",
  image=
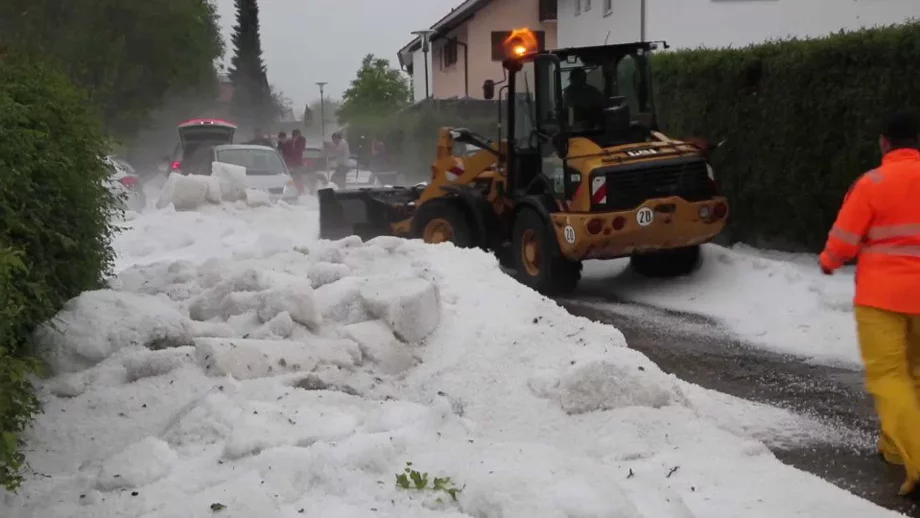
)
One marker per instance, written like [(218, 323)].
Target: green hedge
[(54, 225), (800, 118)]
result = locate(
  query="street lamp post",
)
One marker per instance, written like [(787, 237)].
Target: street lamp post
[(425, 35), (322, 109)]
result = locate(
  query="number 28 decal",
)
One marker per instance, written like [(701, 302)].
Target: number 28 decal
[(645, 216), (569, 234)]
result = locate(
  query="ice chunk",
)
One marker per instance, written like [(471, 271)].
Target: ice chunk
[(281, 326), (265, 425), (239, 302), (179, 292), (243, 497), (378, 343), (341, 302), (602, 385), (523, 484), (296, 301), (216, 329), (257, 198), (211, 272), (213, 192), (388, 243), (184, 192), (207, 420), (314, 382), (232, 179), (209, 304), (249, 358), (95, 324), (409, 305), (141, 463), (68, 385), (324, 273), (147, 364), (328, 253), (154, 278), (347, 242)]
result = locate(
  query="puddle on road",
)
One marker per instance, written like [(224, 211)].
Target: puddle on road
[(698, 350)]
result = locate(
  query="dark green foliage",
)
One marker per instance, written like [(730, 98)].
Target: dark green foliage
[(54, 224), (253, 100), (129, 55), (17, 399), (377, 92), (800, 118)]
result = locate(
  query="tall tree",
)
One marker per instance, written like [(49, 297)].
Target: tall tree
[(253, 100), (377, 91)]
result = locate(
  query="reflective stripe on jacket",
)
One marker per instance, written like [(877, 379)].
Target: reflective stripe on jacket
[(880, 223)]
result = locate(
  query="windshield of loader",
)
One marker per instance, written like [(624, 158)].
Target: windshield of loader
[(590, 80)]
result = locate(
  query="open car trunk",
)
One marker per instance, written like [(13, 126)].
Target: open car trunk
[(205, 131)]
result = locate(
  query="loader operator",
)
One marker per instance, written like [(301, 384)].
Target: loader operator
[(880, 223), (585, 100)]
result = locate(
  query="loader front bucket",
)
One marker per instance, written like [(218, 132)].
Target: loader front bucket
[(366, 213)]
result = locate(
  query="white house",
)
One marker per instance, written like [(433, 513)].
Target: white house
[(465, 47), (719, 23), (416, 70)]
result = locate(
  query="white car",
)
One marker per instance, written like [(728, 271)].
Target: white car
[(265, 169), (125, 183)]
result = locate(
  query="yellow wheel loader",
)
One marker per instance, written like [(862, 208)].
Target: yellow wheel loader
[(582, 173)]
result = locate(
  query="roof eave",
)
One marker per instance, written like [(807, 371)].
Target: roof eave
[(447, 23)]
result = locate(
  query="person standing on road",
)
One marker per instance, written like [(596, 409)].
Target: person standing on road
[(282, 142), (378, 155), (880, 223), (340, 156), (294, 159)]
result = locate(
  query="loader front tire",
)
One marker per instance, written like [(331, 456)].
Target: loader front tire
[(537, 258), (443, 220), (667, 263)]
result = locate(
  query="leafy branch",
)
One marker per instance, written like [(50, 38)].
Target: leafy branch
[(411, 479)]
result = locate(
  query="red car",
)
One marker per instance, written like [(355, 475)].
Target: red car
[(314, 160)]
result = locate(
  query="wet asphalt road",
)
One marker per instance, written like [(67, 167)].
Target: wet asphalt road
[(700, 351)]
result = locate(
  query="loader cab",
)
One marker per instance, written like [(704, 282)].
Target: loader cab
[(532, 113), (602, 93), (607, 92)]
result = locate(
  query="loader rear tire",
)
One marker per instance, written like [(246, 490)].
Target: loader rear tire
[(668, 263), (537, 258), (443, 220)]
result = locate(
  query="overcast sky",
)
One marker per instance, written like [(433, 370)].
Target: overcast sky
[(305, 41)]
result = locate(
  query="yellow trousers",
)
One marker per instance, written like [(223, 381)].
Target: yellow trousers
[(890, 346)]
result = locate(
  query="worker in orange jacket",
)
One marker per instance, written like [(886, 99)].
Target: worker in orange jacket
[(880, 223)]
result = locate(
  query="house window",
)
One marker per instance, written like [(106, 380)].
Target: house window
[(608, 7), (548, 10), (587, 5), (449, 53), (498, 37), (577, 7)]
